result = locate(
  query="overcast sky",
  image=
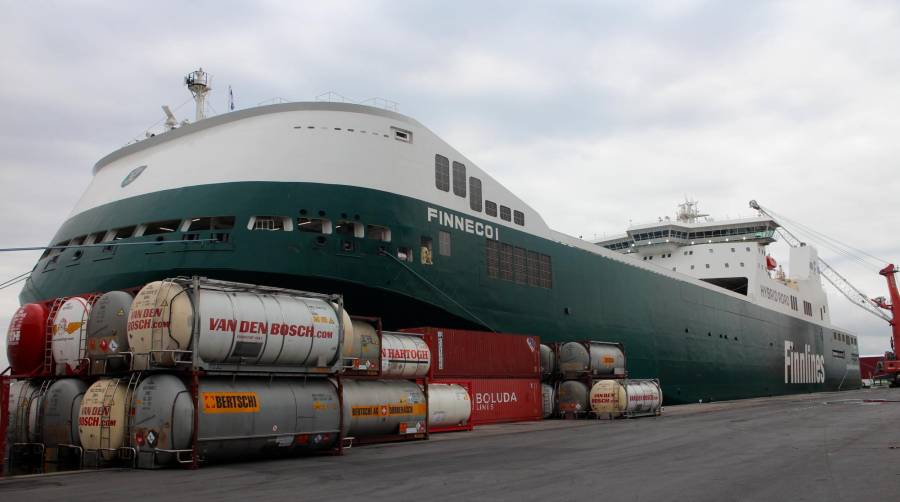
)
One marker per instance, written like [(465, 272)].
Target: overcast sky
[(595, 113)]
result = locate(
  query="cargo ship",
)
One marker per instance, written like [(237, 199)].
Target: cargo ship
[(370, 204)]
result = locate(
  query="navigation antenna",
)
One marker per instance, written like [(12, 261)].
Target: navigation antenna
[(689, 212), (197, 82)]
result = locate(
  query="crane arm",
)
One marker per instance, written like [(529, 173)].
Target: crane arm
[(844, 286)]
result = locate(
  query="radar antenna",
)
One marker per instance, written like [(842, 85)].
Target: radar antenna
[(198, 82)]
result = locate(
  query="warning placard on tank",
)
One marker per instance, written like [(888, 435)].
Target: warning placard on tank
[(230, 402)]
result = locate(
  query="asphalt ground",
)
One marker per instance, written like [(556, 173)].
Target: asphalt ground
[(822, 447)]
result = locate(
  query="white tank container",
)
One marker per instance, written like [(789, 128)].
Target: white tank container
[(70, 335), (361, 350), (573, 397), (405, 356), (449, 405), (383, 407), (548, 400), (626, 397), (103, 416), (548, 362), (107, 331), (236, 327), (595, 358)]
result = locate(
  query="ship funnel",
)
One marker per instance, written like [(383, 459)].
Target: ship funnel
[(198, 83)]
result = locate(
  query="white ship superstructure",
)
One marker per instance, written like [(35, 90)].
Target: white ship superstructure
[(732, 254)]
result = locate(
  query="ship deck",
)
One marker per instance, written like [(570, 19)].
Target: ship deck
[(827, 446)]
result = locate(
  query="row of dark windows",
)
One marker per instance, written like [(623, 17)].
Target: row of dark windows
[(843, 337), (725, 232), (512, 263), (442, 180)]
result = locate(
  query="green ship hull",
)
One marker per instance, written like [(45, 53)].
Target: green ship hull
[(702, 344)]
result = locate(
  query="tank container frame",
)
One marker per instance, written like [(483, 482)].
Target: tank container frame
[(34, 455), (562, 375), (400, 436), (190, 457), (466, 384), (626, 414), (189, 360)]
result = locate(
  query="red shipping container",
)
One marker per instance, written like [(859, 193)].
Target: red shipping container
[(481, 354), (498, 400), (867, 366)]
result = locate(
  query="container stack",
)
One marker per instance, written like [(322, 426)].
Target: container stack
[(581, 364), (384, 384), (502, 372)]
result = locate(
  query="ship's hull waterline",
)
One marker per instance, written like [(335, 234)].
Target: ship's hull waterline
[(701, 343)]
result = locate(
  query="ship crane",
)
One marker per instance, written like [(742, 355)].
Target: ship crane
[(875, 306)]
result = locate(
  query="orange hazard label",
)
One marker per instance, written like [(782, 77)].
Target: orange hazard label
[(609, 359), (230, 402)]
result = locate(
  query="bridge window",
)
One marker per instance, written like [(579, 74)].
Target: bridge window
[(442, 173), (519, 218), (505, 213), (490, 208), (475, 194), (459, 179), (314, 225), (119, 233)]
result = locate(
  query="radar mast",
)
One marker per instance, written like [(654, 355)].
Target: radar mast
[(197, 82)]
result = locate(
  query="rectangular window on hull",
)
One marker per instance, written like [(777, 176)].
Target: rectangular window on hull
[(490, 208), (505, 213), (119, 233), (314, 225), (506, 262), (378, 233), (492, 250), (161, 227), (425, 251), (475, 194), (350, 229), (519, 218), (210, 223), (520, 266), (270, 223), (459, 179), (442, 173), (444, 243)]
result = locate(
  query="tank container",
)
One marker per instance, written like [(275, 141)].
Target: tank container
[(103, 416), (449, 405), (383, 407), (548, 362), (404, 355), (70, 334), (548, 400), (362, 348), (236, 327), (594, 358), (26, 337), (573, 397), (60, 405), (107, 331), (22, 413), (626, 397), (238, 418)]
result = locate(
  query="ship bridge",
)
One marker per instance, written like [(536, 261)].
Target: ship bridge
[(668, 234)]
